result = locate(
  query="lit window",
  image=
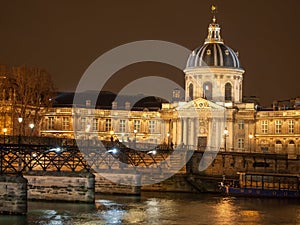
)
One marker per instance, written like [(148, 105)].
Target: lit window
[(207, 90), (241, 124), (122, 126), (208, 52), (152, 126), (277, 126), (50, 123), (264, 126), (291, 126), (66, 123), (108, 125), (137, 125), (241, 143), (95, 125), (83, 124)]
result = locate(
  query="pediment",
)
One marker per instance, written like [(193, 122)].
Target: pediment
[(200, 104)]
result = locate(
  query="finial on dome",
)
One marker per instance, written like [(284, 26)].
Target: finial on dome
[(214, 12), (214, 30)]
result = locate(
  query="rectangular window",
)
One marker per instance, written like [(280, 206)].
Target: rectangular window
[(264, 126), (95, 125), (291, 126), (66, 123), (277, 126), (122, 126), (137, 125), (108, 125), (50, 123), (83, 124), (241, 143), (241, 124), (151, 126)]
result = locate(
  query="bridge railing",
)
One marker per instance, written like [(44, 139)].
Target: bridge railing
[(21, 158)]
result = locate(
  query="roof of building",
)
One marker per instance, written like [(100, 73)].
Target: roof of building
[(214, 53), (105, 100)]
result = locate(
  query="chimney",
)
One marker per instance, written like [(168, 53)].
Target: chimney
[(114, 105), (127, 105), (88, 103)]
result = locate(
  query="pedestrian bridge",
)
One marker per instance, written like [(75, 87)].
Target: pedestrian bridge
[(23, 154)]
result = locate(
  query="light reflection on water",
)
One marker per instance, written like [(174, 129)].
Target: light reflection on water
[(162, 208)]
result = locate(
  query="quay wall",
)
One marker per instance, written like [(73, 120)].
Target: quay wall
[(193, 180), (230, 163), (72, 187), (104, 183), (13, 195)]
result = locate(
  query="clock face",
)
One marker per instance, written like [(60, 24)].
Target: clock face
[(202, 104)]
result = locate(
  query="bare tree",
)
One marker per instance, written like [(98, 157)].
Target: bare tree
[(33, 94)]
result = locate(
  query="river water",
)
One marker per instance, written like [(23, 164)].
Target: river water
[(162, 208)]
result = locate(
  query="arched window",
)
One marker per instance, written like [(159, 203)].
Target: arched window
[(291, 142), (291, 147), (228, 88), (207, 90), (191, 91)]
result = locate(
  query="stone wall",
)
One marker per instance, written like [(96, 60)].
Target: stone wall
[(13, 195), (104, 183), (176, 183), (230, 163), (74, 187)]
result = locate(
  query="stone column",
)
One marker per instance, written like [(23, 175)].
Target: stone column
[(179, 132), (185, 131), (174, 132)]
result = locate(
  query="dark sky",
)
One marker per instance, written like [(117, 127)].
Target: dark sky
[(66, 36)]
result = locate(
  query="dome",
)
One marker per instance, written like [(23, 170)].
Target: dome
[(213, 54)]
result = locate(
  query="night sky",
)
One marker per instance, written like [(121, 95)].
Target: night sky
[(65, 37)]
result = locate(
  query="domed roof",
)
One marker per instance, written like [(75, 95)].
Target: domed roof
[(213, 54)]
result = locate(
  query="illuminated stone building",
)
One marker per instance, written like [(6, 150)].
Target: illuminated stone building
[(210, 114)]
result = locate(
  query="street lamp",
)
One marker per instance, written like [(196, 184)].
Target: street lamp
[(250, 136), (168, 136), (31, 126), (4, 131), (20, 120), (225, 136), (135, 131), (111, 135)]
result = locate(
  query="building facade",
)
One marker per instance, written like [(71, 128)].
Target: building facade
[(212, 114)]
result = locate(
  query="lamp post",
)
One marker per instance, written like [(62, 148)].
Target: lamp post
[(168, 141), (135, 131), (225, 137), (250, 137), (111, 136), (123, 137), (31, 126), (20, 120), (4, 131)]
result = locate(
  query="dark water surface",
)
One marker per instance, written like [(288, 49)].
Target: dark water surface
[(162, 208)]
